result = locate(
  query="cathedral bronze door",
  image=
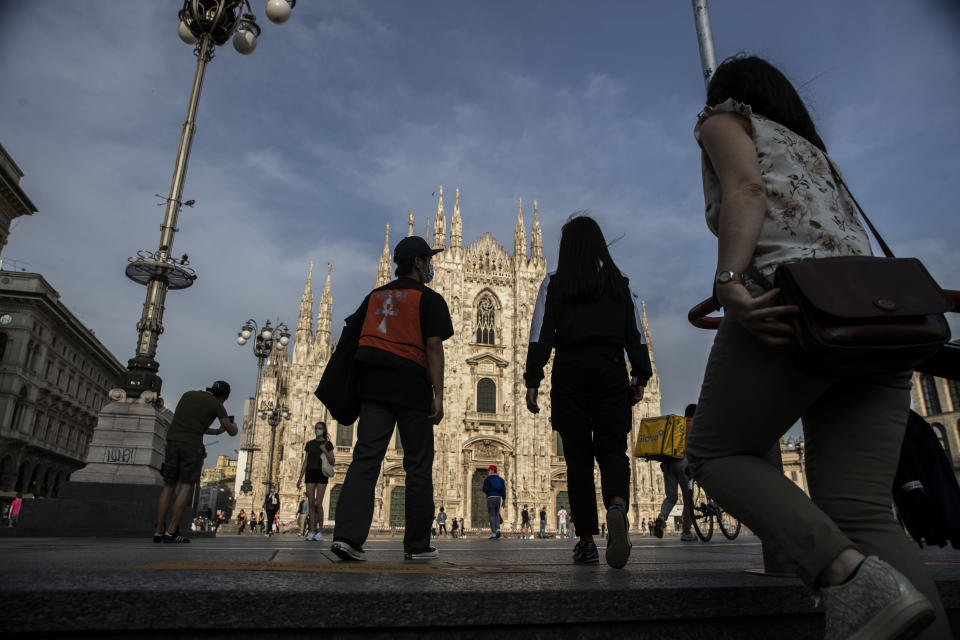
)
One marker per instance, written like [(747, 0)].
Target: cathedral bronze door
[(479, 518), (398, 507)]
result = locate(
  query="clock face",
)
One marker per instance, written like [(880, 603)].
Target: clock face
[(6, 318)]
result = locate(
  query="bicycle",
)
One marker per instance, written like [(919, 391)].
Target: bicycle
[(705, 509)]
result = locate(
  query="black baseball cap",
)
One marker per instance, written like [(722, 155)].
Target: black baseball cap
[(220, 389), (411, 247)]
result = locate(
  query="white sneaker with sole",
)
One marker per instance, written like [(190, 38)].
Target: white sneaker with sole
[(309, 536), (318, 536), (346, 551), (426, 554), (877, 603)]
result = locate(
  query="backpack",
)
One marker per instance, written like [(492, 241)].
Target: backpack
[(338, 384), (925, 491)]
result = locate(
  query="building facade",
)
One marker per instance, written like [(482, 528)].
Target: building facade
[(54, 377), (938, 401), (224, 471), (491, 295)]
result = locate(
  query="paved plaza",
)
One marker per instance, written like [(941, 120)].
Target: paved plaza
[(286, 587)]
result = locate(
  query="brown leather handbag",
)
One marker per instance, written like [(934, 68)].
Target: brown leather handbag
[(863, 315)]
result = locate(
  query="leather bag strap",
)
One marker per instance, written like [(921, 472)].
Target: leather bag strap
[(876, 234)]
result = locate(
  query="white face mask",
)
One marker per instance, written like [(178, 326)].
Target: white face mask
[(319, 432)]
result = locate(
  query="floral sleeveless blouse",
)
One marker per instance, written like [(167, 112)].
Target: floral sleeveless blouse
[(809, 215)]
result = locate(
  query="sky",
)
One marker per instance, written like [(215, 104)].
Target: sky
[(355, 112)]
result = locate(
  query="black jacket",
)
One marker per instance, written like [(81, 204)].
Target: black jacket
[(925, 490), (604, 321)]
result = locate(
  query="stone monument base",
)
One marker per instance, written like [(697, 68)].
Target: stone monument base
[(116, 493)]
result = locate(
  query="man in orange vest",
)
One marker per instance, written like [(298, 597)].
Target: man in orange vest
[(399, 382)]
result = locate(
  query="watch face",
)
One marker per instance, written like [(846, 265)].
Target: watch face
[(6, 318)]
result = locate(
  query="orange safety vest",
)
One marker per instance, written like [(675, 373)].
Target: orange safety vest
[(392, 324)]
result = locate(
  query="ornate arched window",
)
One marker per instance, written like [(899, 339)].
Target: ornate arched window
[(953, 387), (486, 330), (931, 400), (486, 396)]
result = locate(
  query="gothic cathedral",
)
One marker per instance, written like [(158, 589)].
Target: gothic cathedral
[(491, 295)]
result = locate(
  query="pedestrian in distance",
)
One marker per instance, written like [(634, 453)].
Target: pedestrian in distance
[(442, 522), (496, 490), (543, 522), (463, 529), (643, 527), (587, 312), (271, 504), (675, 476), (399, 370), (183, 457), (311, 470), (261, 523), (303, 511), (562, 516), (525, 527), (15, 510), (454, 526), (241, 521), (774, 197)]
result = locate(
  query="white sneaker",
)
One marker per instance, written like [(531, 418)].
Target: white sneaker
[(309, 536), (318, 536)]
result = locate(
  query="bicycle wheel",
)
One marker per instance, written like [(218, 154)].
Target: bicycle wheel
[(729, 526), (702, 513)]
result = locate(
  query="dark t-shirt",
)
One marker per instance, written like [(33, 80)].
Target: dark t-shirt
[(194, 414), (394, 380), (315, 449)]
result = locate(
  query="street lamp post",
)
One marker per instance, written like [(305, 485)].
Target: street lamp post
[(262, 348), (206, 24)]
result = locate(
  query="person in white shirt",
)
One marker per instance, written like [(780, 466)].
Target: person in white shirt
[(562, 522)]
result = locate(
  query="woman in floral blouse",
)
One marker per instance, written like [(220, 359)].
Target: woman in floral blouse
[(773, 196)]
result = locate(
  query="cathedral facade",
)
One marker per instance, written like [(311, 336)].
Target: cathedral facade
[(491, 295)]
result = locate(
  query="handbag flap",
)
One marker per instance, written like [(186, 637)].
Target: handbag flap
[(866, 286)]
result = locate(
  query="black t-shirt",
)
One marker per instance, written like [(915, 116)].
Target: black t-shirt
[(386, 377), (315, 449), (194, 414), (543, 515)]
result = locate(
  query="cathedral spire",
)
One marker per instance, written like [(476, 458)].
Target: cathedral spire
[(383, 273), (410, 223), (520, 234), (323, 340), (439, 225), (456, 225), (304, 335), (536, 236), (646, 335)]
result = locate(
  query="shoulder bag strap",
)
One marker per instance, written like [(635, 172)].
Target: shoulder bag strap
[(876, 234)]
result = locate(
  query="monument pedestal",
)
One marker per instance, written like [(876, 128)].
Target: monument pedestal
[(116, 493)]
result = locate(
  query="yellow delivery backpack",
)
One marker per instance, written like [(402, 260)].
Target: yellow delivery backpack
[(662, 438)]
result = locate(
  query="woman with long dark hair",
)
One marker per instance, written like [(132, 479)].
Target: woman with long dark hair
[(773, 196), (586, 311), (312, 470)]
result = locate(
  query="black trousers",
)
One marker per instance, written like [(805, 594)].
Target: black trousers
[(374, 430), (590, 396)]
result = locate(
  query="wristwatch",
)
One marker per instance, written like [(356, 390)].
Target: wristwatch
[(726, 277)]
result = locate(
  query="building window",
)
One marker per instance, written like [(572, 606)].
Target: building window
[(486, 396), (18, 407), (344, 437), (486, 331), (953, 388), (928, 387)]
